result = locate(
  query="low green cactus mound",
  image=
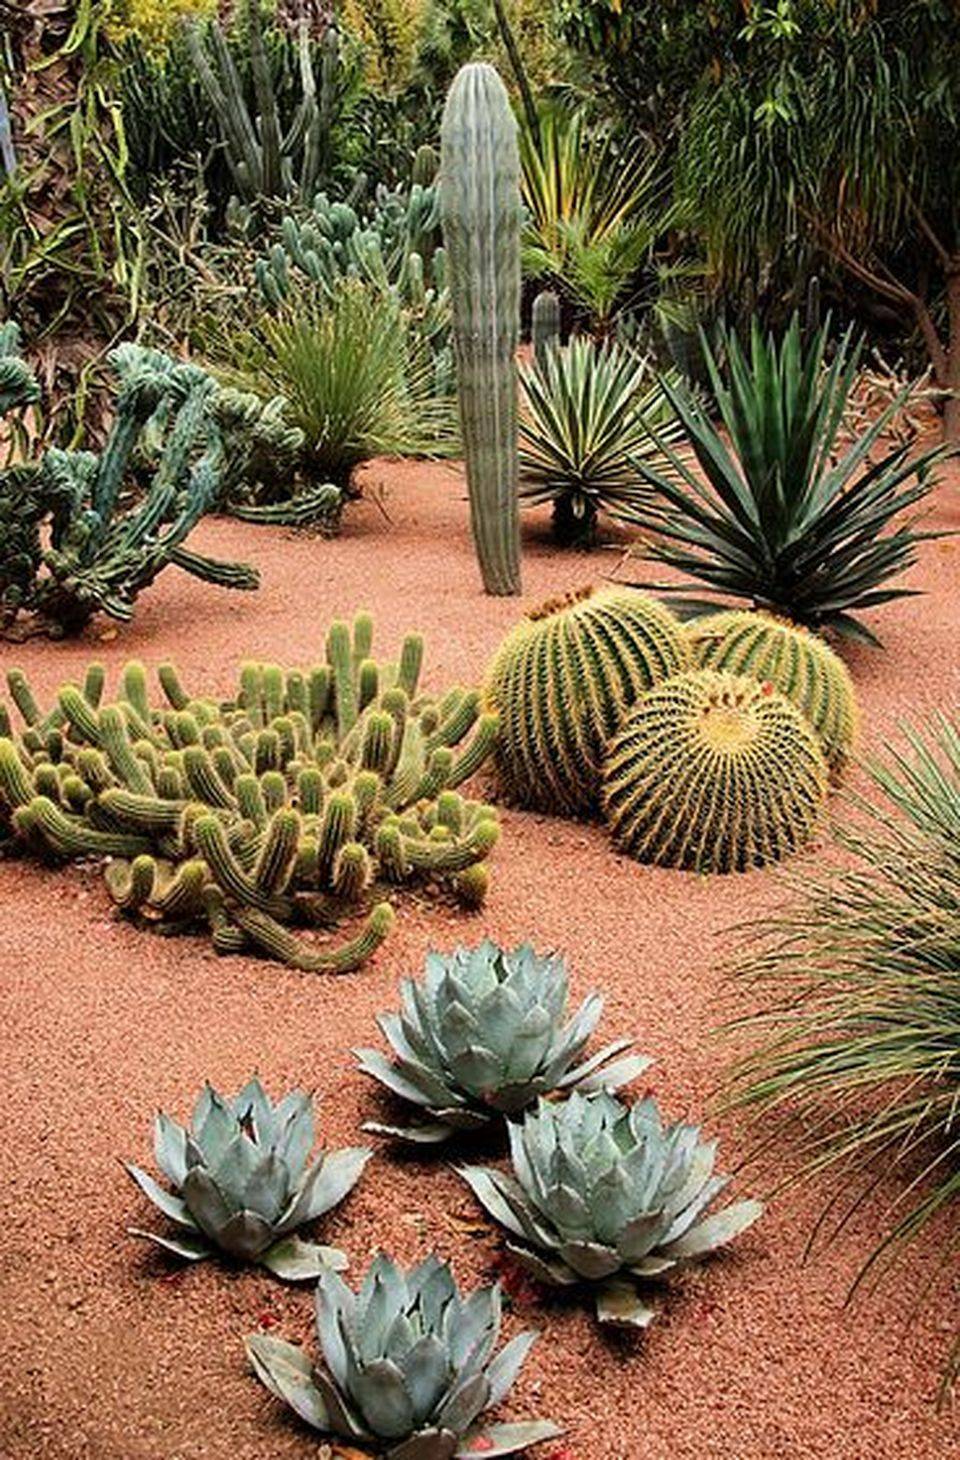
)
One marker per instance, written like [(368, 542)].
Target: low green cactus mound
[(561, 683), (305, 799), (713, 772), (242, 1182), (798, 663), (407, 1367)]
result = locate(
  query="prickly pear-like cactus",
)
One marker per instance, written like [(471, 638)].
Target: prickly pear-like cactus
[(713, 772), (480, 209), (798, 663), (561, 683), (544, 323), (306, 798)]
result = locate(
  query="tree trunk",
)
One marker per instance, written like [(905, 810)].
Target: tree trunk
[(951, 408)]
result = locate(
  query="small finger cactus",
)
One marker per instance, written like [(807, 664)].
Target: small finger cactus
[(561, 683), (544, 324), (798, 663), (715, 773)]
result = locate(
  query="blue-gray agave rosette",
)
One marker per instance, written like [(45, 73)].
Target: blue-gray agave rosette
[(482, 1034), (606, 1194), (408, 1366), (243, 1182)]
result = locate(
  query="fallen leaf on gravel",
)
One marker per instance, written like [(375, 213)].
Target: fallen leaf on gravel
[(469, 1226)]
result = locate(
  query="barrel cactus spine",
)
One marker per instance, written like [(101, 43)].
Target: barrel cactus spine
[(561, 683), (713, 773), (481, 213), (798, 663)]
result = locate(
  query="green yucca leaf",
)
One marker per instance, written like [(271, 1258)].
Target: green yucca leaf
[(589, 414), (779, 516), (856, 1048)]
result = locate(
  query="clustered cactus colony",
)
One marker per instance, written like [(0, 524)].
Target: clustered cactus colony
[(243, 1182), (604, 1194), (798, 663), (713, 772), (408, 1366), (481, 211), (303, 799), (71, 548), (561, 683), (483, 1035)]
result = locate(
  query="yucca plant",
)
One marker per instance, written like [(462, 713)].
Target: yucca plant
[(589, 410), (784, 518), (408, 1366), (604, 1194), (243, 1181), (355, 388), (483, 1034), (856, 1048)]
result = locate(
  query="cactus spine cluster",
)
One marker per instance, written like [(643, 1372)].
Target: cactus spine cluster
[(713, 772), (480, 211), (561, 684), (303, 799), (544, 324), (800, 665)]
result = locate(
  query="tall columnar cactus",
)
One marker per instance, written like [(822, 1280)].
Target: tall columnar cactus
[(544, 324), (798, 663), (715, 773), (561, 683), (306, 798), (480, 209)]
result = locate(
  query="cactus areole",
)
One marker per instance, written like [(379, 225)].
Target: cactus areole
[(480, 210)]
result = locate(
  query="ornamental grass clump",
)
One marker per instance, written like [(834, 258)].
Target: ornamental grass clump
[(243, 1182), (604, 1194), (408, 1368), (855, 1045), (483, 1034)]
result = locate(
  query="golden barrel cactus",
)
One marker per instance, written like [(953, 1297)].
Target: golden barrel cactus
[(561, 683), (713, 772), (798, 663)]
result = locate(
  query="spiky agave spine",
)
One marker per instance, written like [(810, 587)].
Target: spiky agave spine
[(544, 324), (480, 210), (295, 801), (561, 683), (796, 662), (713, 772)]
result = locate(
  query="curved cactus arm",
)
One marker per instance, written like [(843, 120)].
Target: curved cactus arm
[(277, 941)]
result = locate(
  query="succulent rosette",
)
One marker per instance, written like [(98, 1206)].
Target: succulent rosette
[(603, 1193), (243, 1181), (483, 1034), (408, 1368)]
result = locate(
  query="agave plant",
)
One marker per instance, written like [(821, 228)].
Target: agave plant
[(785, 519), (604, 1193), (590, 410), (860, 1010), (242, 1183), (408, 1366), (483, 1035)]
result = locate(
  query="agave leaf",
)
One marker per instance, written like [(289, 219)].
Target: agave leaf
[(477, 1069), (427, 1445), (235, 1169), (464, 1402), (503, 1199), (285, 1370), (414, 1083), (636, 1239), (294, 1141), (427, 1371), (529, 1043), (381, 1396), (214, 1125), (170, 1148), (297, 1261), (206, 1202), (246, 1235), (574, 1074), (506, 1365), (423, 1135), (613, 1076), (717, 1230), (554, 1273), (191, 1245), (506, 1439), (268, 1188), (621, 1304), (334, 1298), (327, 1183), (343, 1419), (172, 1206), (590, 1259)]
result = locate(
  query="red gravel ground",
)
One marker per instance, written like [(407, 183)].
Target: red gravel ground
[(108, 1352)]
